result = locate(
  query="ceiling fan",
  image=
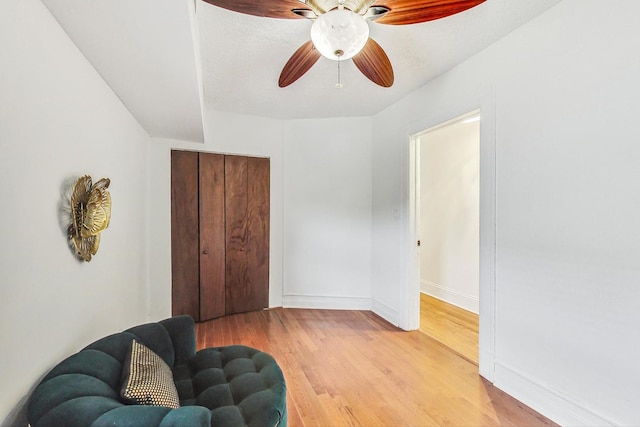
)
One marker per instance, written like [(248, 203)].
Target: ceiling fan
[(340, 30)]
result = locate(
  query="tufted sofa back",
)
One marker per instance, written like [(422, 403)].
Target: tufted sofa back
[(83, 390)]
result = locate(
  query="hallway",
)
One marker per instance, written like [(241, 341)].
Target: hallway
[(450, 325)]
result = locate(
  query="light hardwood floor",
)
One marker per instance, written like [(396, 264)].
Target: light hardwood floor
[(351, 368), (452, 326)]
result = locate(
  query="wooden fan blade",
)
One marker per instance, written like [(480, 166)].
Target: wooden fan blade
[(269, 9), (374, 63), (299, 63), (403, 12)]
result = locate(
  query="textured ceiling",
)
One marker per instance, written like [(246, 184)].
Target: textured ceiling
[(167, 65), (243, 56)]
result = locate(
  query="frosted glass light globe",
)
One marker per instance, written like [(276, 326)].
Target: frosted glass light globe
[(339, 34)]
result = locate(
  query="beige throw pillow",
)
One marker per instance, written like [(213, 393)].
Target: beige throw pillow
[(147, 379)]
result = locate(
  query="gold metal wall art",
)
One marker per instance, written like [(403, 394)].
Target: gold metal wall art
[(90, 214)]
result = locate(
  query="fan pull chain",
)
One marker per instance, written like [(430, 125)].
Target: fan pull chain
[(339, 84)]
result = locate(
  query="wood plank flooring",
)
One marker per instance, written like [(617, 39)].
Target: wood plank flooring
[(351, 368), (452, 326)]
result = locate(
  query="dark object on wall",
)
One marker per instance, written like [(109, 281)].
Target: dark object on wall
[(219, 234), (90, 213), (83, 390)]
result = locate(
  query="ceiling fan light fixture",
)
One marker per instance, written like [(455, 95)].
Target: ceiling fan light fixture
[(339, 34)]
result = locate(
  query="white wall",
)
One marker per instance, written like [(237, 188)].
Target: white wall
[(224, 133), (59, 120), (327, 209), (449, 221), (561, 93)]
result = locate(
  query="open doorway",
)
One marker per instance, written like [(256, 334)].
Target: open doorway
[(447, 218)]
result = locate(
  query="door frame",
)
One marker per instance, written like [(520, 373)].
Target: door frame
[(487, 238)]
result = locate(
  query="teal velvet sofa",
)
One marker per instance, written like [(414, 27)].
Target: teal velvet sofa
[(222, 386)]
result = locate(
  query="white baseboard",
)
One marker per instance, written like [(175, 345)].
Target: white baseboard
[(486, 367), (387, 313), (326, 302), (342, 303), (460, 299), (548, 402)]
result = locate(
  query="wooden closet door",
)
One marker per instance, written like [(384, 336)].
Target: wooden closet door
[(258, 210), (212, 241), (247, 233), (184, 234)]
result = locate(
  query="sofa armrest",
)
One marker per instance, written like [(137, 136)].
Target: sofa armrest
[(182, 331)]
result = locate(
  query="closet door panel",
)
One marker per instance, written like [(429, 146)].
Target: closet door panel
[(212, 240), (184, 234), (237, 283), (257, 251), (219, 234)]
